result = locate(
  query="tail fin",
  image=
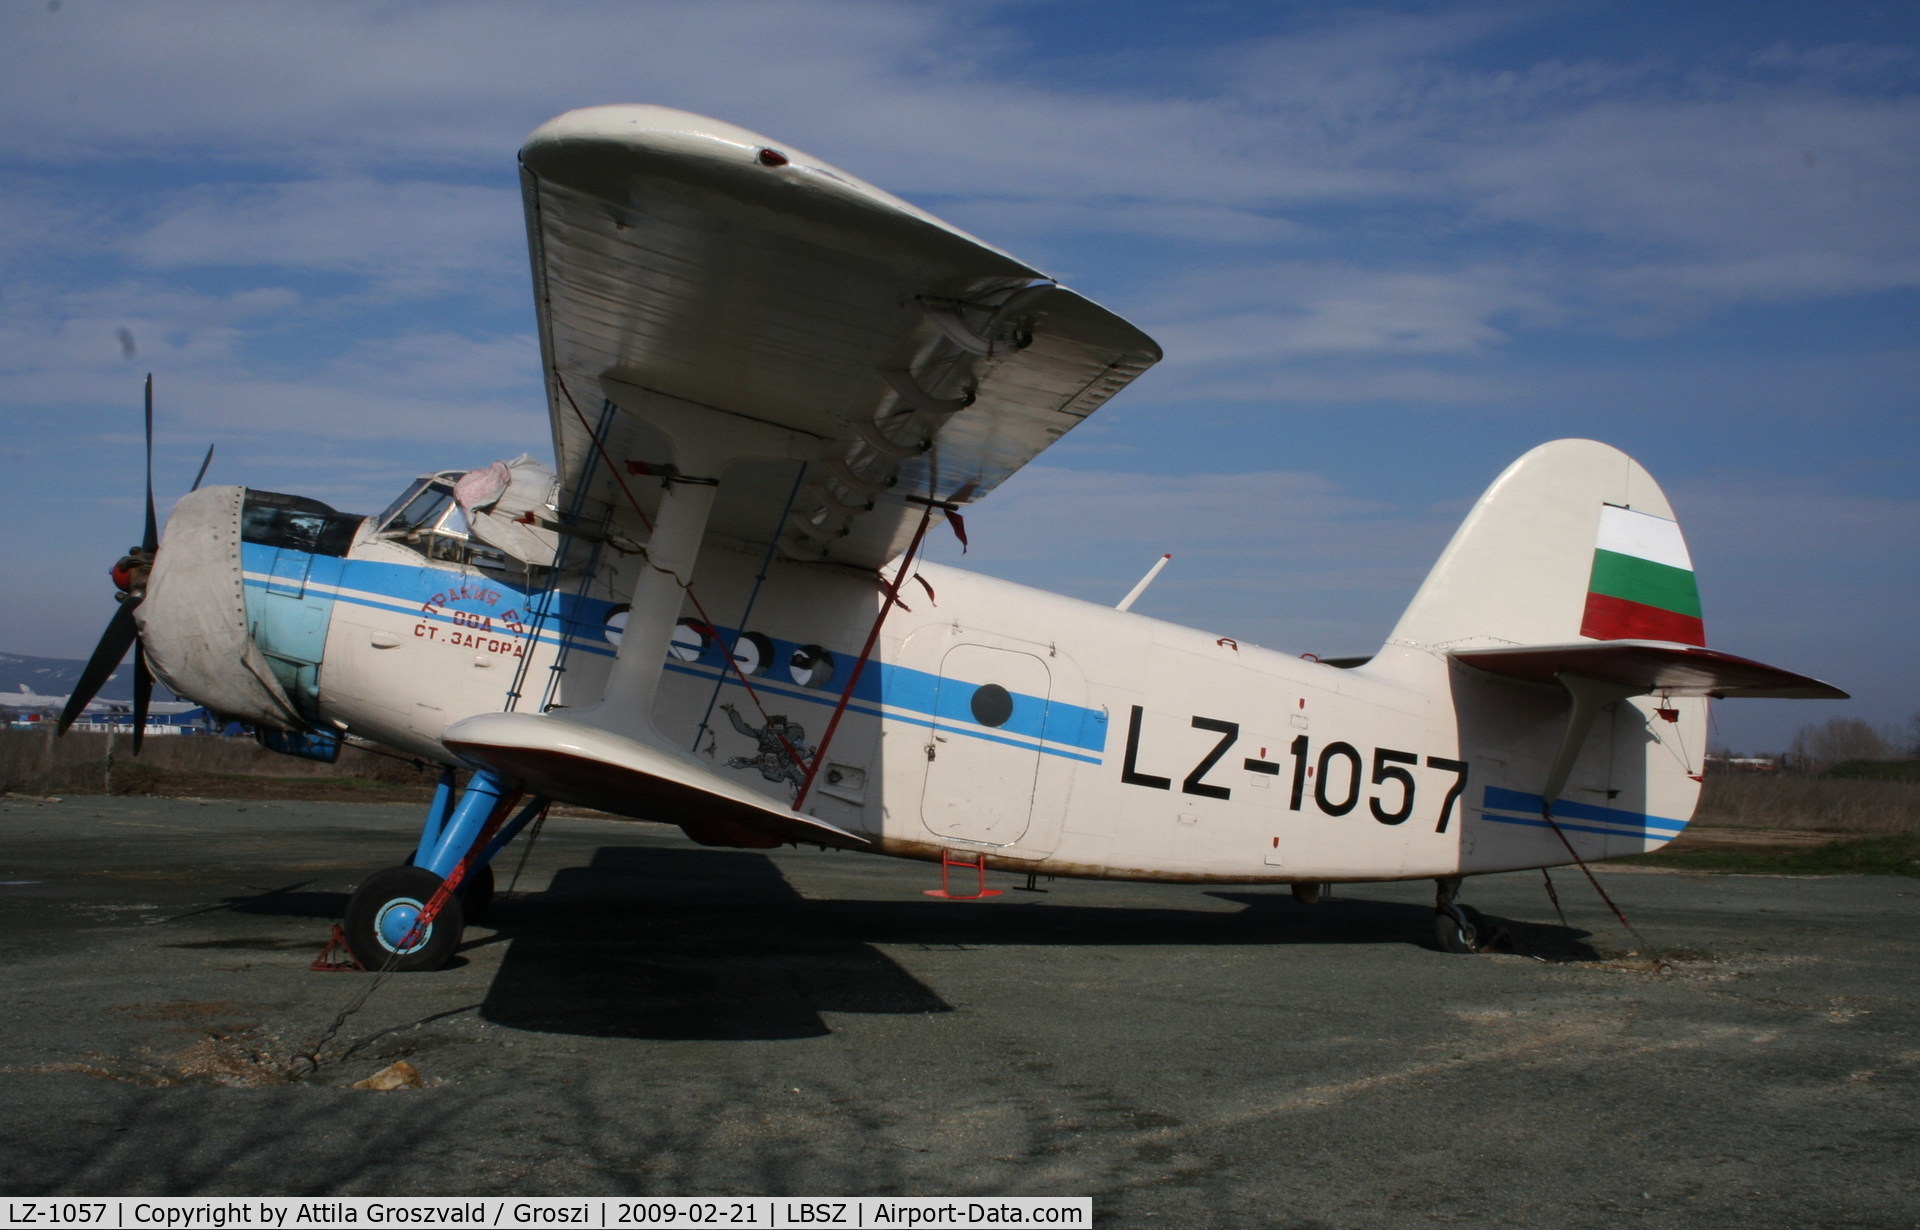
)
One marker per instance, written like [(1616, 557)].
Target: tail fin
[(1572, 563), (1566, 624), (1574, 541)]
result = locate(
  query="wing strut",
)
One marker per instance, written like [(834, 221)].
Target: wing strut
[(705, 449), (866, 651)]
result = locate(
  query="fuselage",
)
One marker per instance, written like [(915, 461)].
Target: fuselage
[(1047, 733)]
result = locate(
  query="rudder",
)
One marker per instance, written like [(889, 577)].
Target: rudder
[(1573, 541)]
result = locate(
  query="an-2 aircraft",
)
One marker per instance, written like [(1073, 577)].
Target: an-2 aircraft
[(767, 382)]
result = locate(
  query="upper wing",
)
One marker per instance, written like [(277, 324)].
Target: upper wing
[(680, 257)]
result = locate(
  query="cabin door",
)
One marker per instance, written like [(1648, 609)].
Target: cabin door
[(990, 713)]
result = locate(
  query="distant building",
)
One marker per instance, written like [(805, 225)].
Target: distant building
[(1744, 764)]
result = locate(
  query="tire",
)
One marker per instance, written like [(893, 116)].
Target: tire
[(1452, 935), (383, 909)]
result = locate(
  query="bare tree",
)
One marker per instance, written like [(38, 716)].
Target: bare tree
[(1818, 748)]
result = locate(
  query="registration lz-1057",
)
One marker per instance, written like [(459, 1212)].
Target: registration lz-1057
[(56, 1212)]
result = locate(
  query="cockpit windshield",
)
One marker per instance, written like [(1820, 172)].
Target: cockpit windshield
[(419, 509), (429, 520)]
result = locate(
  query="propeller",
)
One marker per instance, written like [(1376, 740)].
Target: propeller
[(205, 462), (130, 576)]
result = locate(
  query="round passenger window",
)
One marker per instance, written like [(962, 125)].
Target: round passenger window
[(992, 705), (811, 666), (617, 623), (752, 652), (690, 640)]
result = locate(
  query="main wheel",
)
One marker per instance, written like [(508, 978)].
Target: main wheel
[(1454, 934), (384, 911)]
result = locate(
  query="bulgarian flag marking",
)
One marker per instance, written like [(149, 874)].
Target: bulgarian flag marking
[(1642, 584)]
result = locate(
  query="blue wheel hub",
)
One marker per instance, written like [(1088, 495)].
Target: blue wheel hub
[(397, 920)]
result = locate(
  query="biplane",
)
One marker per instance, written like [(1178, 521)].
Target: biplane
[(767, 383)]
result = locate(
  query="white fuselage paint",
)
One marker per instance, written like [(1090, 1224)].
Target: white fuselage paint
[(1161, 752)]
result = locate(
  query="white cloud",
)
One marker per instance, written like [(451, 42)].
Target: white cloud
[(1400, 387), (372, 401), (405, 233), (1188, 221), (62, 345), (1864, 63), (1742, 175), (448, 363), (1283, 558), (1769, 520), (59, 352), (1689, 288), (1323, 331), (1290, 309)]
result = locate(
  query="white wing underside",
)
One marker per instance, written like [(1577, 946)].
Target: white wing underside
[(672, 255)]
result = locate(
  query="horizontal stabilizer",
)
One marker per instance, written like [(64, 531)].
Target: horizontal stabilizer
[(1665, 667), (597, 768)]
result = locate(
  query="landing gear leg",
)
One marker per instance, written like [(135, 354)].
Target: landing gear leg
[(384, 915), (1456, 928)]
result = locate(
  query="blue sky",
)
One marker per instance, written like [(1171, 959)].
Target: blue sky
[(1387, 248)]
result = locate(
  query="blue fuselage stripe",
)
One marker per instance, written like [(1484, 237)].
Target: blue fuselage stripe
[(829, 700), (1618, 821), (884, 690)]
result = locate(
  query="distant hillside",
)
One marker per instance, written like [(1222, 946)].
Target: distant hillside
[(56, 677)]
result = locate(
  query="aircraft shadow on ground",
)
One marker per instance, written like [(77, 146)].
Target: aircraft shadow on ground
[(657, 943), (711, 944), (286, 902), (685, 944)]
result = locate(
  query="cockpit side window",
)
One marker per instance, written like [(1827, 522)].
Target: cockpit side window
[(297, 523)]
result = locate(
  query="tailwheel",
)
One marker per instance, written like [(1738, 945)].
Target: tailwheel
[(384, 912), (1456, 928)]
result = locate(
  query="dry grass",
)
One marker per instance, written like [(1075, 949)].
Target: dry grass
[(1895, 854), (34, 762), (1823, 804)]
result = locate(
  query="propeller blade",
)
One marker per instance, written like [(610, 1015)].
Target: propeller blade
[(203, 470), (142, 693), (121, 632), (152, 540)]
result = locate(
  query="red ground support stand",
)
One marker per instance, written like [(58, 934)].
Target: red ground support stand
[(336, 957), (947, 863)]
